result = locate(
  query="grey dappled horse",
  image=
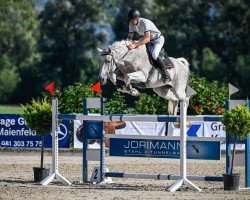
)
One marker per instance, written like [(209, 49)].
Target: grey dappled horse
[(134, 69)]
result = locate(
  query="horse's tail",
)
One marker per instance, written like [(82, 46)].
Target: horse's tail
[(185, 62)]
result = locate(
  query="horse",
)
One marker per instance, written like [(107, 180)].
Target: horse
[(131, 69)]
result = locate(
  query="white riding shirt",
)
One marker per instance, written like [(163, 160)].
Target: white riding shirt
[(156, 38), (143, 26)]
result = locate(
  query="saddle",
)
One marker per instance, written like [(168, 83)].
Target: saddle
[(162, 53)]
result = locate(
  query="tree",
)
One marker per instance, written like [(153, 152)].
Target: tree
[(230, 41), (67, 41), (17, 45), (119, 21), (8, 78), (237, 124)]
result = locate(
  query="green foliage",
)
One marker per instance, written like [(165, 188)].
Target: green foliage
[(9, 78), (119, 21), (6, 109), (237, 121), (116, 104), (150, 104), (71, 98), (38, 115), (18, 29), (212, 35), (210, 97), (67, 41)]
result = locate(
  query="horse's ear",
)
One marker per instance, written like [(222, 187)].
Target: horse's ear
[(100, 50)]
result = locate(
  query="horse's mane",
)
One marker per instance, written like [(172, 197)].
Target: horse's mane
[(119, 47), (122, 42), (116, 44)]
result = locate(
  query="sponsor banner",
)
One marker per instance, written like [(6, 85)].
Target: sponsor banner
[(214, 129), (14, 132), (205, 129), (194, 130), (163, 148), (200, 129), (131, 128), (94, 129), (143, 128), (77, 134)]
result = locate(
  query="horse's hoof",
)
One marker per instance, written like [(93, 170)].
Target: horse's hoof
[(135, 93), (177, 124)]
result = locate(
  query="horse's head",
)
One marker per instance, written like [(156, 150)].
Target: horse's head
[(107, 65)]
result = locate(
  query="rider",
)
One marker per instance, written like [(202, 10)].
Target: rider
[(150, 33)]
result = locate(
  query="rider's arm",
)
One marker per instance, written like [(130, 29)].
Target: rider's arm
[(130, 36), (144, 40)]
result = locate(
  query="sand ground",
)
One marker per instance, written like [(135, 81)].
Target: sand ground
[(16, 178)]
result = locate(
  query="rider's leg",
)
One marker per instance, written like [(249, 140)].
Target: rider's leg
[(164, 70), (156, 48)]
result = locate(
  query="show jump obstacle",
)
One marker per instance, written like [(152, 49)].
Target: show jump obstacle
[(55, 173), (182, 179), (99, 177)]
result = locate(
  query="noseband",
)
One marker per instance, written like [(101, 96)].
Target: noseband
[(110, 65)]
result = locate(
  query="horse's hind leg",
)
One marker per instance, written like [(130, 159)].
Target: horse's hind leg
[(173, 107), (181, 93), (167, 94)]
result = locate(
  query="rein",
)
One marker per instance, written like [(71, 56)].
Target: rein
[(110, 53), (123, 56)]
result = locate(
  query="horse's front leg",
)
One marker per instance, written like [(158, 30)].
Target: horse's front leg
[(134, 92), (121, 87), (135, 77), (112, 77)]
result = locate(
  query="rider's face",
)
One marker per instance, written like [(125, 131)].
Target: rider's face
[(134, 21)]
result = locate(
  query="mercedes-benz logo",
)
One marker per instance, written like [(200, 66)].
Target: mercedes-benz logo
[(62, 132)]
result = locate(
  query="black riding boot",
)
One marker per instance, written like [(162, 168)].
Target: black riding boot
[(163, 67)]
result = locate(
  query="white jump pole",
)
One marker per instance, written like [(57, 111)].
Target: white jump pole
[(54, 171), (183, 153)]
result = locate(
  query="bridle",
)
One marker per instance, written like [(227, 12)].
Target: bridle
[(114, 61)]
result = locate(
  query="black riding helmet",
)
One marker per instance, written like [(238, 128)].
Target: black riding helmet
[(133, 14)]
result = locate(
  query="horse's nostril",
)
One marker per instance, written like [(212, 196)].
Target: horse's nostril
[(100, 79)]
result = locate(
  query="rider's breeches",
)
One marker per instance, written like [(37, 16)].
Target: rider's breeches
[(157, 46)]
